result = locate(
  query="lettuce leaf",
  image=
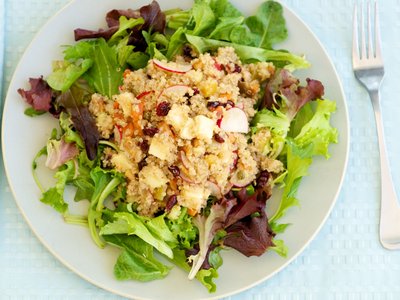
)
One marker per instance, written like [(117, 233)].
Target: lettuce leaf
[(124, 25), (66, 73), (59, 152), (105, 183), (207, 226), (204, 276), (133, 224), (183, 229), (314, 138), (318, 132), (54, 196), (249, 54), (136, 260)]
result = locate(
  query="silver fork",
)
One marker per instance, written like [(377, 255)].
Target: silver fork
[(369, 69)]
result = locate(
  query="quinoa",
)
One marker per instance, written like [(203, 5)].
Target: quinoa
[(165, 126)]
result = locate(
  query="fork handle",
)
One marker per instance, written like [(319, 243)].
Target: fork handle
[(389, 201)]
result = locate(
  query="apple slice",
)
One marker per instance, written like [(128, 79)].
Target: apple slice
[(234, 120), (172, 66), (179, 89)]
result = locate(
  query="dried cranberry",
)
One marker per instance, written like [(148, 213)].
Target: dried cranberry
[(212, 105), (171, 202), (237, 69), (187, 51), (230, 102), (219, 138), (196, 91), (150, 131), (144, 146), (163, 109), (262, 180), (174, 170), (142, 164)]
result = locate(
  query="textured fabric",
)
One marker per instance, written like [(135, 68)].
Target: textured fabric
[(345, 261)]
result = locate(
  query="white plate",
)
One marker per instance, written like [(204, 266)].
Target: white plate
[(72, 245)]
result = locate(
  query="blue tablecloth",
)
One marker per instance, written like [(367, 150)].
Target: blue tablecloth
[(345, 261)]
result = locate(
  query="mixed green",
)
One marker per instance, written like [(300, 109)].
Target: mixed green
[(297, 116)]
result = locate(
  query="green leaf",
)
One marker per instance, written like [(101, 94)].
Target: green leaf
[(177, 18), (65, 73), (215, 258), (318, 132), (183, 229), (40, 153), (133, 224), (275, 120), (54, 196), (80, 50), (136, 260), (224, 28), (105, 183), (176, 42), (279, 247), (158, 227), (203, 18), (69, 134), (268, 25), (205, 277), (278, 228), (123, 51), (106, 74), (124, 25), (297, 167), (138, 60), (31, 112), (83, 182), (223, 8), (250, 54), (303, 116)]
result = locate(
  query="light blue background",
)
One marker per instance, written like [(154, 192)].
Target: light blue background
[(345, 261)]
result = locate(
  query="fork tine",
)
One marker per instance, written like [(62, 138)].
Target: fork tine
[(370, 49), (356, 49), (377, 34), (363, 42)]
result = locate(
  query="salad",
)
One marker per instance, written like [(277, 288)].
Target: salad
[(177, 127)]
